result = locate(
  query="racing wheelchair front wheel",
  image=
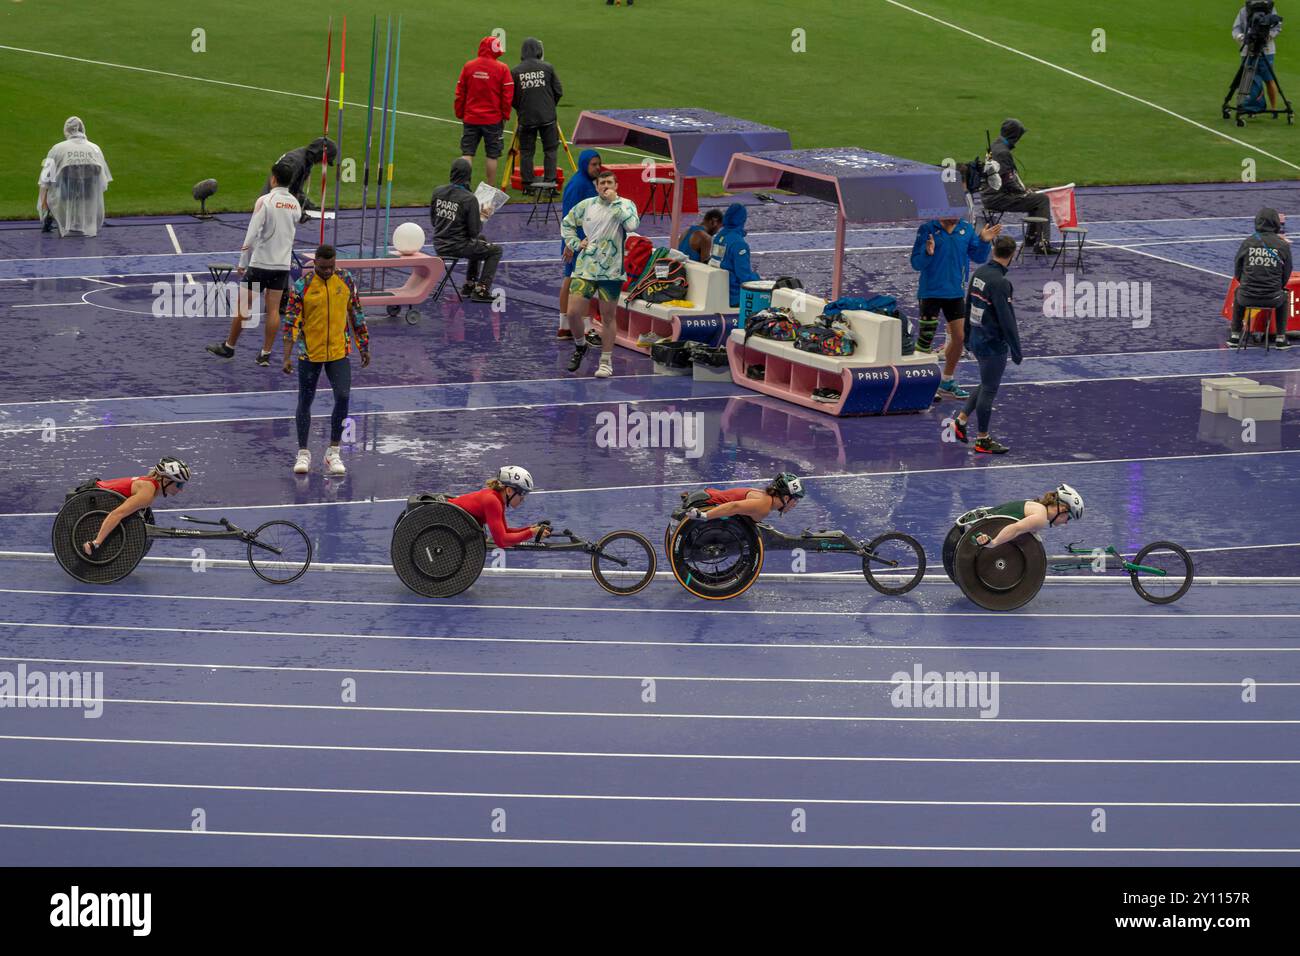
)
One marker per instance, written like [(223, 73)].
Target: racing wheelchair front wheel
[(906, 556), (624, 562)]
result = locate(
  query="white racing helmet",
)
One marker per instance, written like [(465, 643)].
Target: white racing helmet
[(1072, 500), (512, 476), (175, 469)]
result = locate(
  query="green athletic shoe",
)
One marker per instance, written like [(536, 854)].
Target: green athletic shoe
[(951, 389)]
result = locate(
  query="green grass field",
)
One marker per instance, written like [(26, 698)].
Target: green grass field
[(874, 75)]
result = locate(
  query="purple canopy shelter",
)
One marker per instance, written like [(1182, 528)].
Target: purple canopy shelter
[(866, 187), (698, 142)]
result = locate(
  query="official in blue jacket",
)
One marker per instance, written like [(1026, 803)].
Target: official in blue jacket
[(943, 253), (582, 185), (993, 335), (730, 250)]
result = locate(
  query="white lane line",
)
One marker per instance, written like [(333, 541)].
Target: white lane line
[(529, 675), (1097, 83), (46, 305), (632, 798), (1152, 255), (115, 285), (364, 388), (46, 700), (1105, 378), (695, 483), (710, 645), (245, 86), (633, 755), (176, 244), (684, 844), (613, 400), (298, 602)]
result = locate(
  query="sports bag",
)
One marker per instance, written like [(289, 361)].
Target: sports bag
[(823, 339), (773, 323), (664, 279), (637, 251), (879, 304)]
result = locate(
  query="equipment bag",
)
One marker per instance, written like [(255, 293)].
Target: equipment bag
[(673, 354), (879, 304), (825, 339), (637, 252), (709, 357), (774, 323), (662, 280)]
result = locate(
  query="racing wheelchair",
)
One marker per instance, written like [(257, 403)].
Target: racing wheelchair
[(720, 559), (279, 552), (1011, 575), (438, 550)]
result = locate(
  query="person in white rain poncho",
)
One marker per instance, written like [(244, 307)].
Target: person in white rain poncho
[(73, 179)]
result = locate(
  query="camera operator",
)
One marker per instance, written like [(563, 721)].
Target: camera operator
[(1256, 27), (1263, 268), (1013, 195)]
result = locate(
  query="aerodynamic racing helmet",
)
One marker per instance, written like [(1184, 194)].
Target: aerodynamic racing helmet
[(1072, 500), (788, 485), (512, 476), (175, 469)]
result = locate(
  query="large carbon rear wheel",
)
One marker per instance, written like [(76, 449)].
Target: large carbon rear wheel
[(1002, 578), (950, 550), (717, 559), (79, 520), (438, 549)]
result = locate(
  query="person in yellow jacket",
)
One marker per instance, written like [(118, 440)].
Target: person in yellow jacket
[(324, 314)]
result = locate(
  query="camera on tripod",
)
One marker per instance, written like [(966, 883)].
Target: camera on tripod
[(1260, 22)]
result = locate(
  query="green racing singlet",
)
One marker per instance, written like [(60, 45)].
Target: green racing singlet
[(1012, 509)]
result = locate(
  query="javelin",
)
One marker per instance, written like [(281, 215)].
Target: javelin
[(329, 61), (338, 165)]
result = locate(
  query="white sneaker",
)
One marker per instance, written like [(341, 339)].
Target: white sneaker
[(606, 367), (334, 462), (302, 464)]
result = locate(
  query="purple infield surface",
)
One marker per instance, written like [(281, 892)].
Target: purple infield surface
[(537, 719)]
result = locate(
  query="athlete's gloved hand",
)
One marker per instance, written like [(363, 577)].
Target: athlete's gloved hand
[(694, 514), (983, 540), (541, 530)]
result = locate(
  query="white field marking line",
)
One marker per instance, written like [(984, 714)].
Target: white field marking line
[(650, 715), (1057, 381), (176, 244), (527, 675), (730, 481), (46, 305), (362, 388), (628, 400), (1192, 240), (1097, 83), (806, 577), (632, 755), (116, 285), (533, 608), (243, 86), (684, 844), (633, 798), (512, 381), (1152, 255), (712, 645)]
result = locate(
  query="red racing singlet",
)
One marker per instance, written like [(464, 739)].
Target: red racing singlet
[(123, 485), (718, 496), (487, 508)]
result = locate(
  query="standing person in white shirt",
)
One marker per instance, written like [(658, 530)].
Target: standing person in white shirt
[(264, 262)]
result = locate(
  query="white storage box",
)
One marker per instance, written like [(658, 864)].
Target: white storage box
[(1263, 403), (1214, 392)]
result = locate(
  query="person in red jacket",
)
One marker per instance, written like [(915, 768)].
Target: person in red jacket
[(488, 507), (484, 94)]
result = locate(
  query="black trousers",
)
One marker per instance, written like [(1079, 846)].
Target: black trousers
[(481, 259), (550, 135), (1280, 304), (1035, 204)]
